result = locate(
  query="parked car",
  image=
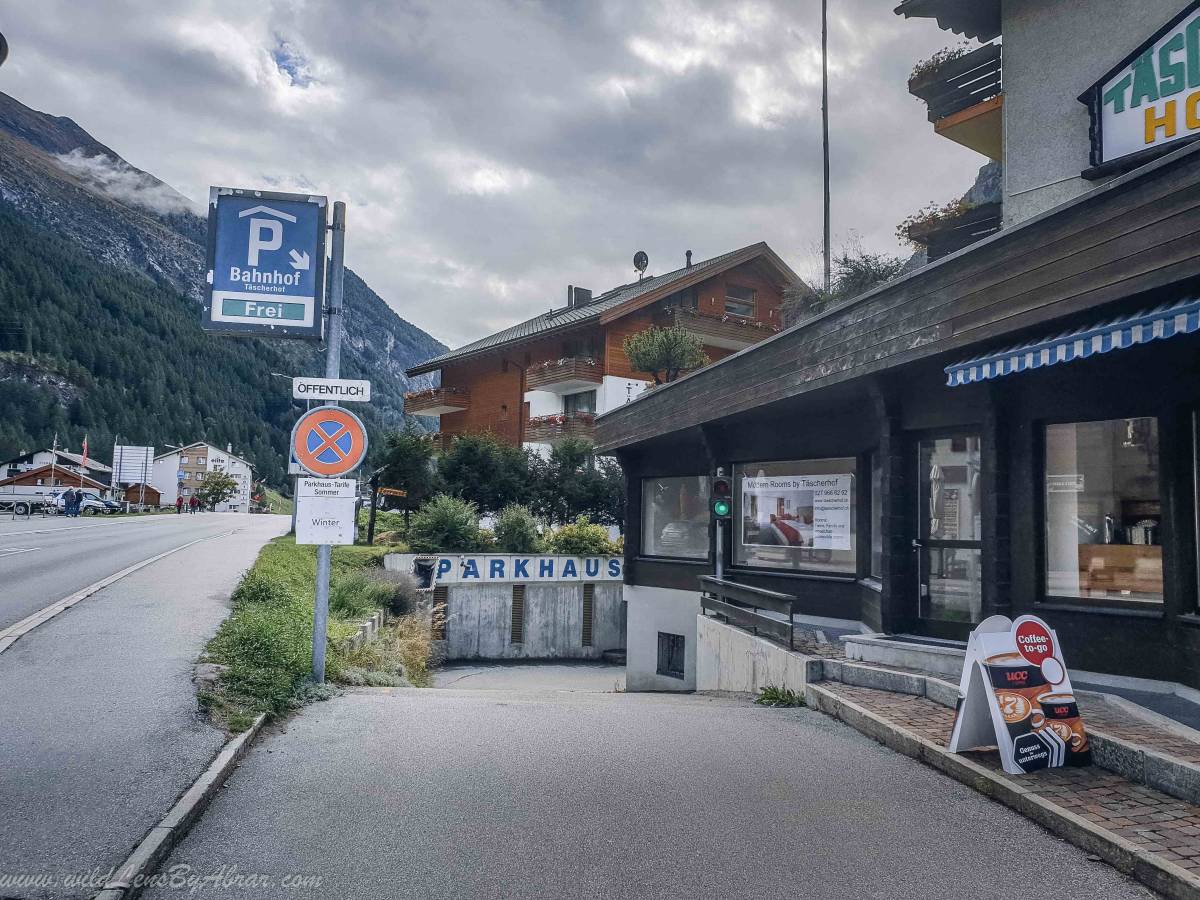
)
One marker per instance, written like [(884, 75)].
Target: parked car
[(91, 504)]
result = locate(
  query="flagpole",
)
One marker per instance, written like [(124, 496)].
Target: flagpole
[(825, 123)]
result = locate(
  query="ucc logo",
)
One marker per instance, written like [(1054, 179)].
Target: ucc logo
[(1022, 677)]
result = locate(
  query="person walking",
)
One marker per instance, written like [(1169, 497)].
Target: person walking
[(193, 504), (178, 505), (69, 502)]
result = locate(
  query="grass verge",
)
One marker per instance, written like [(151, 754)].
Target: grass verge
[(264, 649)]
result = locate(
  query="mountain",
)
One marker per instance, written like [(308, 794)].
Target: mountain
[(101, 274)]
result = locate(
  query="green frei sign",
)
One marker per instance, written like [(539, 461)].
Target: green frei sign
[(1152, 98), (264, 309)]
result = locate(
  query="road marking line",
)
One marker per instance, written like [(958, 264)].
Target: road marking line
[(140, 521), (13, 551), (12, 633)]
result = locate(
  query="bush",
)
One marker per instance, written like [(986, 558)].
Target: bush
[(445, 524), (356, 597), (517, 530), (581, 538), (775, 696), (487, 472)]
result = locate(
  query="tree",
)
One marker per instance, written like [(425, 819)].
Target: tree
[(664, 352), (855, 271), (573, 481), (445, 524), (488, 473), (217, 487), (408, 464)]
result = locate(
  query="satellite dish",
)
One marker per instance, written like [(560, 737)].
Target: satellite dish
[(641, 260), (3, 49)]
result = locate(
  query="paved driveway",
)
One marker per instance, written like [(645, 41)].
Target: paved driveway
[(516, 794)]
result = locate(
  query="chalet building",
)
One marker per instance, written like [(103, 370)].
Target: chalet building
[(1013, 428), (62, 460), (180, 472), (549, 377), (55, 478)]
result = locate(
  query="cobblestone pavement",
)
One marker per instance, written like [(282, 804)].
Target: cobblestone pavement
[(1158, 822)]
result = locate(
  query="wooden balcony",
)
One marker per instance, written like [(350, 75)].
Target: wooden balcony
[(564, 376), (729, 332), (966, 100), (441, 441), (551, 429), (437, 401)]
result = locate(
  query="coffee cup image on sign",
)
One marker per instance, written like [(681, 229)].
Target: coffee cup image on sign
[(1020, 713), (1061, 713), (1013, 672)]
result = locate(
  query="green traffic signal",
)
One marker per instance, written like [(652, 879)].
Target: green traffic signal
[(721, 508)]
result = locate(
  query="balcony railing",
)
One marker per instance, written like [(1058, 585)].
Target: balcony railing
[(550, 429), (437, 401), (441, 440), (564, 375), (730, 332), (959, 83)]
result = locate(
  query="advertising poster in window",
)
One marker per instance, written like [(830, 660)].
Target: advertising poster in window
[(797, 511)]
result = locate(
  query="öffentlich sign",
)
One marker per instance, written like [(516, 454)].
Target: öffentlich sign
[(266, 263), (1152, 97)]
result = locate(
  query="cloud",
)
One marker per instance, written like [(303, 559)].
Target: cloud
[(493, 151), (122, 182)]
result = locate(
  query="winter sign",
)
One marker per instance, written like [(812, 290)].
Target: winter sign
[(1015, 693)]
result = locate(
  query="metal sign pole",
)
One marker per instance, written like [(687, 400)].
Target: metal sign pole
[(333, 360)]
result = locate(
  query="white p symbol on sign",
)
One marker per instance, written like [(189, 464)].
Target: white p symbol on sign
[(257, 242)]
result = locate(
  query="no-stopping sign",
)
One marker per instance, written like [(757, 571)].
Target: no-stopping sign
[(329, 441)]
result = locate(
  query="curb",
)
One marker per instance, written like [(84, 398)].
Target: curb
[(1158, 874), (129, 878)]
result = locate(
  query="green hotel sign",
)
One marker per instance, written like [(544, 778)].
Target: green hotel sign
[(1152, 98)]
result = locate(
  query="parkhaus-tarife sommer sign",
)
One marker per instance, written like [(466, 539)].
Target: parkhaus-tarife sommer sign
[(1152, 98)]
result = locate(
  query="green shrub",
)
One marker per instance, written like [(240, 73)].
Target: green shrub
[(257, 588), (581, 538), (517, 530), (775, 696), (443, 525), (357, 597)]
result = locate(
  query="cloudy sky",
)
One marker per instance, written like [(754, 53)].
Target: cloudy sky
[(492, 152)]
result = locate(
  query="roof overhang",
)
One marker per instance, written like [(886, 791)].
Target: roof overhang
[(979, 19), (1084, 255)]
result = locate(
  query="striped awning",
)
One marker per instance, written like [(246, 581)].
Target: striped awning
[(1169, 320)]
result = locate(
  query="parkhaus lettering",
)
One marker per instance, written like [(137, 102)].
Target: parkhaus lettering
[(472, 569)]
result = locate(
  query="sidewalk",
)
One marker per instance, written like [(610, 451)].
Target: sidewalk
[(1136, 827), (99, 726)]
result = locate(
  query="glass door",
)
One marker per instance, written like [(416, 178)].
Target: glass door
[(949, 544)]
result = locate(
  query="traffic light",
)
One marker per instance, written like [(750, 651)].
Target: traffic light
[(722, 498)]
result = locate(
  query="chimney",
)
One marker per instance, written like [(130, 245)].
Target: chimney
[(229, 448), (689, 259), (577, 297)]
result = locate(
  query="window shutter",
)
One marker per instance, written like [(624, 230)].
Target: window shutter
[(518, 614), (589, 601), (441, 595)]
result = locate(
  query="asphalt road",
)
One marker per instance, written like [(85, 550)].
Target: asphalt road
[(515, 794), (99, 727), (45, 559)]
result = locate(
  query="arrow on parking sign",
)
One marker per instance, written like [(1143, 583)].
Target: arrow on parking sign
[(299, 260)]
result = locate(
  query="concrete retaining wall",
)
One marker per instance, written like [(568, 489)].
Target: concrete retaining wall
[(653, 610), (731, 660), (479, 622)]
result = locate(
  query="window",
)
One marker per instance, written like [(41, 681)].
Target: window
[(187, 492), (187, 476), (199, 460), (1103, 511), (183, 460), (675, 517), (876, 515), (796, 515), (670, 655), (739, 301), (583, 402)]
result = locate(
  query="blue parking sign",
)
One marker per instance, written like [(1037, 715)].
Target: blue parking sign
[(266, 263)]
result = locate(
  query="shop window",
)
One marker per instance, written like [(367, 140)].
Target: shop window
[(670, 655), (583, 402), (1103, 511), (675, 517), (876, 515), (797, 515), (739, 301)]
